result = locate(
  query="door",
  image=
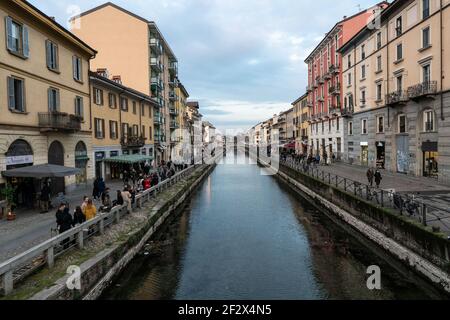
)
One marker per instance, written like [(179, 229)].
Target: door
[(56, 157), (365, 155), (402, 154)]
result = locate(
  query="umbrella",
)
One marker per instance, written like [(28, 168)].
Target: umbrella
[(41, 171)]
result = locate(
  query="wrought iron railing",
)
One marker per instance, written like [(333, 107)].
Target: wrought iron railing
[(59, 121), (422, 89)]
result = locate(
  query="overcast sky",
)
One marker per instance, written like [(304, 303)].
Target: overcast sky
[(242, 59)]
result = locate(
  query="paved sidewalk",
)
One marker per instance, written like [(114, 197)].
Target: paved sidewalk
[(31, 228)]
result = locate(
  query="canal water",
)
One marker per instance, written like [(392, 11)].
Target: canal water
[(244, 235)]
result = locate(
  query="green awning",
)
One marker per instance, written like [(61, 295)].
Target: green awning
[(129, 159)]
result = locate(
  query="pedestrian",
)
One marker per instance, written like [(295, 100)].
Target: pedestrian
[(85, 202), (106, 200), (101, 187), (378, 178), (325, 158), (126, 196), (78, 216), (95, 189), (370, 176), (64, 222), (90, 211), (45, 198), (119, 200)]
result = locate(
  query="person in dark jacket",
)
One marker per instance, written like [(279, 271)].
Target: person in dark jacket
[(119, 201), (45, 198), (370, 175), (96, 188), (101, 187), (378, 178), (78, 216), (64, 221)]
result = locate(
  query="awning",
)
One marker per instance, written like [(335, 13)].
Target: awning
[(41, 171), (129, 159)]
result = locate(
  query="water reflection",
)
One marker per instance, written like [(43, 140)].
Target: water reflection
[(247, 236)]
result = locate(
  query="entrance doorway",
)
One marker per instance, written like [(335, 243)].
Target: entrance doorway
[(81, 159), (56, 157), (365, 155), (381, 154), (430, 159)]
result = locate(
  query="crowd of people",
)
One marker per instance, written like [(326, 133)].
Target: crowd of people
[(135, 180)]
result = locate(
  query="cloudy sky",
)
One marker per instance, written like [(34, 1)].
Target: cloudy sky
[(242, 59)]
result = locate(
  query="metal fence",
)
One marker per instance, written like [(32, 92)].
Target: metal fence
[(21, 266), (402, 204)]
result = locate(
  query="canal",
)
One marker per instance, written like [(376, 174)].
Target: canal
[(244, 235)]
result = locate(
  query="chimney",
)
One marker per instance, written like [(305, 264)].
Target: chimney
[(117, 79), (53, 18), (345, 17), (103, 72)]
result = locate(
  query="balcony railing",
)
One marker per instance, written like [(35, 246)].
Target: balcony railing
[(156, 65), (173, 112), (132, 141), (59, 121), (158, 119), (422, 89), (336, 89), (321, 99), (309, 89), (173, 68), (309, 104), (155, 45), (334, 69), (159, 137), (174, 125), (397, 97), (173, 96), (173, 82), (347, 112)]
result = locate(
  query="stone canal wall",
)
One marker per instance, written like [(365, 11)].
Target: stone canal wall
[(98, 272), (425, 252)]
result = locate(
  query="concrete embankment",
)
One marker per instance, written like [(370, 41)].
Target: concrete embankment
[(106, 255), (417, 247)]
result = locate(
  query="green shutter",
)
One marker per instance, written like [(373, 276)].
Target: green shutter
[(57, 102), (26, 46), (9, 39), (49, 95), (48, 50), (11, 99)]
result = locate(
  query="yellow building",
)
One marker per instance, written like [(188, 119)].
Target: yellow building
[(180, 128), (301, 117), (134, 48), (396, 92), (122, 120), (44, 81)]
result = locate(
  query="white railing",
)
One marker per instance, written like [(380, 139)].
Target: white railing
[(20, 266)]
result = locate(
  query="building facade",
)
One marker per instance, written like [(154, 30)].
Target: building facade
[(301, 111), (45, 84), (135, 49), (123, 124), (325, 84), (399, 96)]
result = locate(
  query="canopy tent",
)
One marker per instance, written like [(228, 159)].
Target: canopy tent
[(129, 159), (41, 171)]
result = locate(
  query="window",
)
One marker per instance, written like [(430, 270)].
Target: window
[(99, 127), (363, 98), (380, 124), (379, 92), (398, 27), (399, 84), (150, 112), (350, 128), (53, 100), (143, 132), (150, 134), (425, 9), (52, 55), (124, 104), (364, 126), (349, 78), (17, 38), (402, 123), (379, 41), (363, 72), (379, 64), (77, 66), (349, 61), (112, 98), (125, 128), (134, 107), (142, 109), (16, 94), (323, 127), (113, 130), (79, 107), (426, 73), (363, 52), (98, 96), (337, 124), (399, 51), (135, 130), (428, 121), (426, 38)]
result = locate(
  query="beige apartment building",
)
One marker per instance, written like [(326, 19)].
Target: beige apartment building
[(301, 116), (135, 49), (123, 126), (194, 123), (44, 81), (396, 88), (180, 126)]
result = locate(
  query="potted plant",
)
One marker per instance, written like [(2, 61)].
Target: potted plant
[(8, 193)]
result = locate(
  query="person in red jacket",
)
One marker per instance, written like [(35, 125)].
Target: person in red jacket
[(147, 183)]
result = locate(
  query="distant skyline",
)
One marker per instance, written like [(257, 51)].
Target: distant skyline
[(243, 60)]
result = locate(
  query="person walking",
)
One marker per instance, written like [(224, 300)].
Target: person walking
[(126, 196), (96, 188), (45, 198), (370, 176), (119, 200), (101, 187), (90, 211), (325, 158), (78, 216), (378, 178), (64, 222)]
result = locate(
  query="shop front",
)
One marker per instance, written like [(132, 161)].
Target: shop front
[(81, 160), (364, 154), (430, 159), (381, 154)]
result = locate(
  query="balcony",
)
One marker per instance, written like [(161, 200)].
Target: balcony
[(59, 121), (309, 104), (335, 90), (335, 110), (156, 65), (174, 125), (347, 112), (173, 68), (309, 89), (334, 69), (158, 119), (423, 90), (321, 80), (396, 97), (173, 82), (173, 96), (157, 84), (159, 138), (321, 99), (155, 46), (175, 140), (327, 76), (173, 112), (132, 141)]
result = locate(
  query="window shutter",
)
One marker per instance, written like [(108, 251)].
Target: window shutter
[(103, 128), (26, 46), (9, 39), (74, 67), (11, 100), (57, 100), (80, 69), (48, 51), (49, 94), (82, 107)]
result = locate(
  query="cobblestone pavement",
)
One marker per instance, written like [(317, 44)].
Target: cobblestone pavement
[(31, 228)]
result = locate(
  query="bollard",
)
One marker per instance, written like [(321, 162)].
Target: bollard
[(80, 240), (101, 226), (50, 257), (8, 282), (424, 214), (345, 184), (118, 214)]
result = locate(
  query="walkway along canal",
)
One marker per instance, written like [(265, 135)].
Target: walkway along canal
[(248, 236)]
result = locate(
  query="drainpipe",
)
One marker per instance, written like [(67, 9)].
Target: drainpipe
[(442, 61)]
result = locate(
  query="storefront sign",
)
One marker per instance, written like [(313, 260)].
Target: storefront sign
[(364, 144), (114, 154), (17, 160), (99, 156)]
